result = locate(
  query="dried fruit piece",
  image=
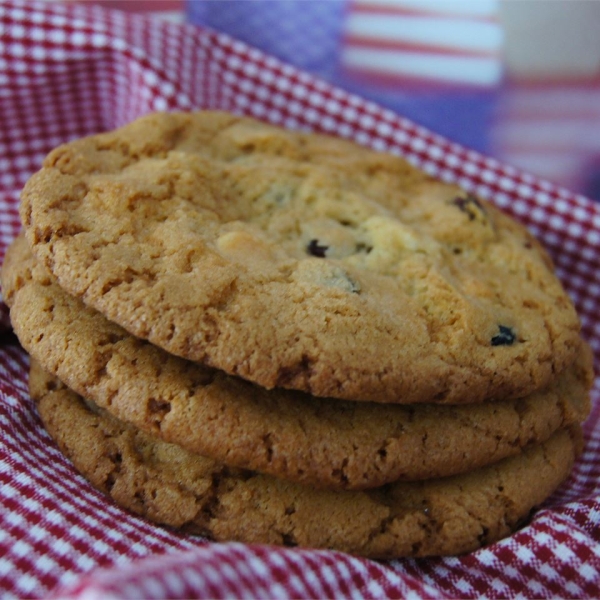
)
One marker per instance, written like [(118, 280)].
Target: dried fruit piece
[(316, 249), (505, 337), (470, 205)]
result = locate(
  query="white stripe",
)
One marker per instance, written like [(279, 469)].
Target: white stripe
[(476, 8), (455, 33), (174, 16), (559, 167), (567, 134), (568, 100), (459, 69)]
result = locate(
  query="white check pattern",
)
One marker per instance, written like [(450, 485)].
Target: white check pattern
[(70, 70)]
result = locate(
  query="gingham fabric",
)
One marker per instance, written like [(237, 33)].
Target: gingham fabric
[(70, 70)]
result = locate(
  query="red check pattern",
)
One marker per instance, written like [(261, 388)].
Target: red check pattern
[(71, 70)]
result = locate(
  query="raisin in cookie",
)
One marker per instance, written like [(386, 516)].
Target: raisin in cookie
[(300, 261), (325, 442), (173, 487)]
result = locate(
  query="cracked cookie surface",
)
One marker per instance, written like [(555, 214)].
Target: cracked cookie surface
[(173, 487), (300, 261), (325, 442)]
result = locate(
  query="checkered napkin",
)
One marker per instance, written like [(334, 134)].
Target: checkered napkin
[(71, 70)]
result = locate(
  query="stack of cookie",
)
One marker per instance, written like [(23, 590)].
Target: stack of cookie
[(279, 337)]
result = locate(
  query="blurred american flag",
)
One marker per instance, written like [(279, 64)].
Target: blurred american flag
[(517, 80), (429, 42), (551, 129)]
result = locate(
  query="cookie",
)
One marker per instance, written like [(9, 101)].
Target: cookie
[(300, 261), (173, 487), (325, 442)]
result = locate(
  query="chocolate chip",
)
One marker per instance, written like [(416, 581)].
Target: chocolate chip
[(469, 205), (316, 249), (360, 247), (505, 337), (483, 536), (289, 540)]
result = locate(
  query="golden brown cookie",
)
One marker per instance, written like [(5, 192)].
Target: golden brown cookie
[(329, 443), (173, 487), (300, 261)]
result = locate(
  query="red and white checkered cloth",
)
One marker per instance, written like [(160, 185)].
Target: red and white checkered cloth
[(72, 70)]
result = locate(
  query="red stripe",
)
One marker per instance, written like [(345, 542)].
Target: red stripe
[(153, 6), (530, 147), (405, 11), (540, 82), (415, 83), (544, 114), (373, 43)]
